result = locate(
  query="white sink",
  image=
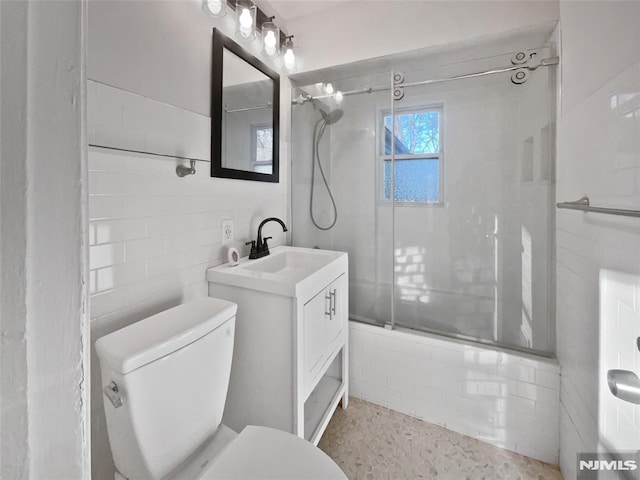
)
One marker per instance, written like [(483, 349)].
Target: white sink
[(293, 264), (287, 271)]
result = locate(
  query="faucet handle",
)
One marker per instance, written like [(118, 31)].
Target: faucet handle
[(265, 246), (253, 245)]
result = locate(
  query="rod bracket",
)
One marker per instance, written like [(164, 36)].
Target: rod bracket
[(183, 170)]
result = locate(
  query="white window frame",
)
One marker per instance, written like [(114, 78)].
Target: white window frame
[(254, 145), (382, 157)]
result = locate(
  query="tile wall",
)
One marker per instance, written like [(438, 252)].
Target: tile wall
[(502, 398), (152, 234), (598, 156)]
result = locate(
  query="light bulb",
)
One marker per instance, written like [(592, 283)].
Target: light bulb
[(214, 7), (270, 39), (339, 97), (270, 42), (328, 89), (246, 23), (289, 59), (245, 18)]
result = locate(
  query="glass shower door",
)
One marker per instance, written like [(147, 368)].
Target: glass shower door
[(470, 187), (347, 152)]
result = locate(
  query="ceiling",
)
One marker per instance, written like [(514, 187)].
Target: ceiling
[(290, 9)]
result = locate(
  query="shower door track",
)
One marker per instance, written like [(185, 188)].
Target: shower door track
[(455, 336), (547, 62)]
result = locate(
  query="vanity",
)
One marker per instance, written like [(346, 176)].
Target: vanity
[(290, 358)]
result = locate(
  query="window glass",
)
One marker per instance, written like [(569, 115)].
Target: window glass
[(416, 180), (415, 132), (263, 149), (418, 156)]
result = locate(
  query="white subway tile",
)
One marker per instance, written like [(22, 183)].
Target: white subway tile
[(549, 380), (527, 390), (446, 356), (385, 396), (104, 303), (92, 282), (105, 207), (517, 372), (113, 136), (120, 275), (521, 405), (144, 248), (619, 286), (118, 230), (101, 256), (139, 206), (629, 321), (105, 112), (101, 160)]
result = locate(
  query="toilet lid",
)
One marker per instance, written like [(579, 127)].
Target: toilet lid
[(266, 453)]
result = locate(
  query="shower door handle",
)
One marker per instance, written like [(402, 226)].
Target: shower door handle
[(625, 385)]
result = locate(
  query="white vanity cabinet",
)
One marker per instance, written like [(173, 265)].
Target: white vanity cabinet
[(290, 359), (323, 328)]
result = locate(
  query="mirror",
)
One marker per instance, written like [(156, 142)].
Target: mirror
[(245, 96)]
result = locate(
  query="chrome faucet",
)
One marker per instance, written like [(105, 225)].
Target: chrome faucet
[(259, 247)]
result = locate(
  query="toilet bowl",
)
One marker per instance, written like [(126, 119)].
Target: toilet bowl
[(165, 381)]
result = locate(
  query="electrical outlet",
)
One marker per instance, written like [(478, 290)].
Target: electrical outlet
[(227, 231)]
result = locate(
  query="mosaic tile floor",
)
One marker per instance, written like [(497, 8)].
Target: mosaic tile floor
[(370, 442)]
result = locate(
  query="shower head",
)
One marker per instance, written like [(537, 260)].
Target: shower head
[(331, 117)]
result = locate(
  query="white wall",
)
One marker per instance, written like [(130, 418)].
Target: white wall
[(598, 155), (44, 321), (356, 30), (159, 51), (499, 397), (153, 234)]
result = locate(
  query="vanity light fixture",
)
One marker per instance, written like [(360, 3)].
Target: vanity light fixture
[(251, 20), (270, 38), (215, 8), (247, 12), (289, 57), (328, 89), (339, 96)]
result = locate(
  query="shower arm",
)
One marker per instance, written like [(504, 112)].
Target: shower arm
[(547, 62)]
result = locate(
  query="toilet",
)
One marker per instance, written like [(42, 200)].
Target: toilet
[(165, 381)]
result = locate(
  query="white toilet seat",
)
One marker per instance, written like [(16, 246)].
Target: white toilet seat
[(266, 453)]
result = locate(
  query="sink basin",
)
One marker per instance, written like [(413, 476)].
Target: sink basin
[(289, 263), (287, 271)]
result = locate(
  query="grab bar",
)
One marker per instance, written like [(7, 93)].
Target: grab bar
[(583, 205)]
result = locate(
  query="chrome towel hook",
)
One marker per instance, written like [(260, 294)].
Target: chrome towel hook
[(183, 170)]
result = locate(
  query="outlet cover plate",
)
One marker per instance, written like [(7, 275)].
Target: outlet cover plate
[(227, 231)]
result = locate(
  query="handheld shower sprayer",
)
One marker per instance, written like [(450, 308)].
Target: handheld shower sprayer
[(327, 118)]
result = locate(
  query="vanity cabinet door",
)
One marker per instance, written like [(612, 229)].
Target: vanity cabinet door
[(315, 315), (339, 309)]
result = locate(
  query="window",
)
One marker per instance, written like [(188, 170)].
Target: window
[(262, 149), (418, 155)]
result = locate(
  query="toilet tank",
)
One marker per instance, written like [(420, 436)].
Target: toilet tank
[(172, 373)]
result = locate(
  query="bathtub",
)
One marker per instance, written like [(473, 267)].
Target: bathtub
[(502, 397)]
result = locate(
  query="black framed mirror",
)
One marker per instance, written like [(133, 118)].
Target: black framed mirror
[(245, 114)]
